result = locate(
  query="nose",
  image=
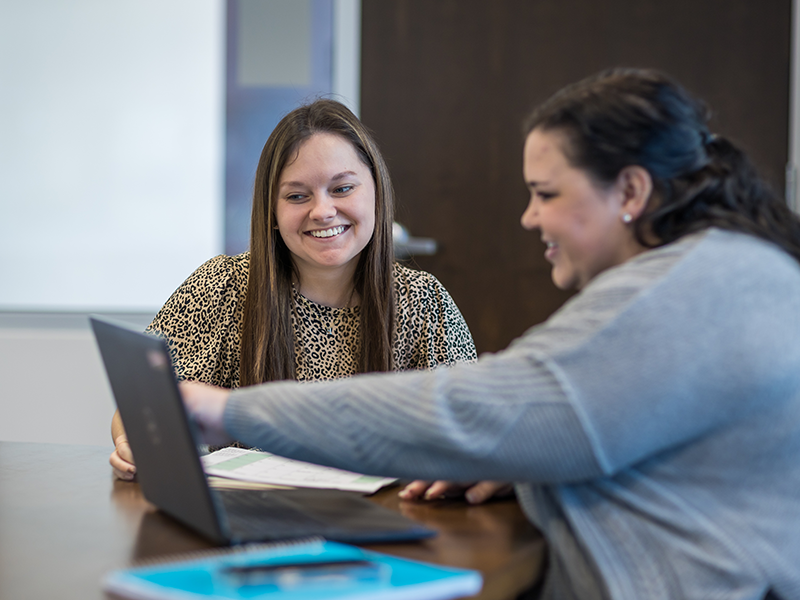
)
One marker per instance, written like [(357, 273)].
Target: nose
[(530, 217), (323, 208)]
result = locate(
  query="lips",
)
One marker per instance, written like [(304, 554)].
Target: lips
[(328, 233)]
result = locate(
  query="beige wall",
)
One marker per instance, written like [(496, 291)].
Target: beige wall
[(52, 384)]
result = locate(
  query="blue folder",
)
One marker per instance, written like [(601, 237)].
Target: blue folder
[(310, 570)]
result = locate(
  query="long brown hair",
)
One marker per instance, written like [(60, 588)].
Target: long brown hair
[(268, 349), (625, 117)]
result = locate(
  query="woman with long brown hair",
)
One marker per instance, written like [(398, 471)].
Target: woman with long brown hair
[(318, 295)]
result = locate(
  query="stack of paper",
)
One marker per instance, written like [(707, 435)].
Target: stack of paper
[(265, 468)]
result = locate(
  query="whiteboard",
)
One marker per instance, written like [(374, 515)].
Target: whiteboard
[(111, 150)]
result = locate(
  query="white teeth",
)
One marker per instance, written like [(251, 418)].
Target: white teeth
[(551, 245), (325, 233)]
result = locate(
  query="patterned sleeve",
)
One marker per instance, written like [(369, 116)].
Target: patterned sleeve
[(431, 331), (201, 322)]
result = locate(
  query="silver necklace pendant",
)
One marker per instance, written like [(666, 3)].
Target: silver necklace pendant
[(330, 330)]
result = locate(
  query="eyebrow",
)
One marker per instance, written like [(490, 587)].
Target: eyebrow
[(534, 183), (337, 177)]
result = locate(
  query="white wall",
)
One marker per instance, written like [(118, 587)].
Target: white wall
[(111, 124)]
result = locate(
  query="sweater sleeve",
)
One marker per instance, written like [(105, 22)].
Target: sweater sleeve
[(650, 356), (201, 322), (453, 423)]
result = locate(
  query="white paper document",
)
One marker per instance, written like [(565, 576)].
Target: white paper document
[(263, 467)]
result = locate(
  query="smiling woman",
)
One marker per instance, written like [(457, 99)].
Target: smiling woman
[(583, 224), (326, 215), (318, 296), (652, 424)]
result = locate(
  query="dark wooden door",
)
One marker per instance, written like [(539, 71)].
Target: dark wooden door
[(447, 83)]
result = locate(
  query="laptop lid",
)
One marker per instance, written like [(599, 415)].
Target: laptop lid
[(159, 430)]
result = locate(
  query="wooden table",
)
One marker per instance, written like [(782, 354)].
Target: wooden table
[(65, 522)]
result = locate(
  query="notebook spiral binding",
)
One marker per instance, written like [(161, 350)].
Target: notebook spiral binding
[(223, 551)]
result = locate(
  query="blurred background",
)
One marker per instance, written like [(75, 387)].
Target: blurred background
[(130, 132)]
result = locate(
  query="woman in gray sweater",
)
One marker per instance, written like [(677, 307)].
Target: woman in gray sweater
[(652, 424)]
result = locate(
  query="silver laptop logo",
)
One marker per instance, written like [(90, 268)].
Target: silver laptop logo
[(157, 360)]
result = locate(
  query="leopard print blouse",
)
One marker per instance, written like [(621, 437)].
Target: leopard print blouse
[(202, 323)]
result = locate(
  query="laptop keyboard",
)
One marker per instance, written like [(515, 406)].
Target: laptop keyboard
[(256, 515)]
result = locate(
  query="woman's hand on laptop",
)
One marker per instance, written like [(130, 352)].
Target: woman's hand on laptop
[(206, 406)]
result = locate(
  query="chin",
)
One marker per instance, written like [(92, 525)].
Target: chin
[(566, 284)]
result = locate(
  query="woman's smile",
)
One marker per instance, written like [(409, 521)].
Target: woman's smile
[(331, 232)]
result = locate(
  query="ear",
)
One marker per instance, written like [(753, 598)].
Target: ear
[(636, 186)]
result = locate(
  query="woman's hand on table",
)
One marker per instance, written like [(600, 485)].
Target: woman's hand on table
[(121, 459), (474, 493)]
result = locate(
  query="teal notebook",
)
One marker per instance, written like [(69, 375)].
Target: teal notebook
[(309, 570)]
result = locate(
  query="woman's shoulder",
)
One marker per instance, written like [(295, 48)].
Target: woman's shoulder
[(421, 294), (715, 251), (223, 271), (430, 328), (220, 280), (655, 264), (225, 264), (724, 244), (414, 281), (215, 290), (709, 265)]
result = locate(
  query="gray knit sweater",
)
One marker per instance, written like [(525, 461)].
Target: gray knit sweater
[(652, 425)]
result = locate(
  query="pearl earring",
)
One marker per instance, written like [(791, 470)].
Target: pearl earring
[(627, 218)]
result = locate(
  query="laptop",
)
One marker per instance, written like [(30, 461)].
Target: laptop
[(171, 476)]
